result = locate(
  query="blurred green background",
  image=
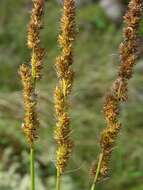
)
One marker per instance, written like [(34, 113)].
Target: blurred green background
[(96, 64)]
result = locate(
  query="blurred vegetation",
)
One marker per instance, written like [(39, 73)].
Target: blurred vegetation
[(96, 63)]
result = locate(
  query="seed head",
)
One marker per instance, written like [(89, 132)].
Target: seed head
[(119, 90), (35, 25), (31, 122), (63, 90)]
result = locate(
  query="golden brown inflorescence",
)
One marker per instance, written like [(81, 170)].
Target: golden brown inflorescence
[(119, 90), (64, 87), (31, 123), (34, 28), (29, 75)]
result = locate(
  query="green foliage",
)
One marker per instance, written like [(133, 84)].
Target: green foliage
[(93, 14)]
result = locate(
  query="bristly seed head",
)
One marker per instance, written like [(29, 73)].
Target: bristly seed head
[(119, 90), (31, 122), (35, 25), (30, 75), (64, 87)]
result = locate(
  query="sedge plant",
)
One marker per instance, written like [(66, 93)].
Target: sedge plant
[(118, 93), (63, 89), (30, 74)]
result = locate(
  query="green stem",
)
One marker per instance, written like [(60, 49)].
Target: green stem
[(32, 167), (97, 172), (32, 151), (58, 181)]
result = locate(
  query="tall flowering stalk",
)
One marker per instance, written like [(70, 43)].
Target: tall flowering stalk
[(119, 90), (63, 90), (29, 76)]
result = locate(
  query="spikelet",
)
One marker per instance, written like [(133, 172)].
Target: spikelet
[(119, 90), (63, 89), (29, 75), (31, 123), (33, 42)]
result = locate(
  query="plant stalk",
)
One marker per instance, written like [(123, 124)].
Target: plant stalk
[(32, 150), (32, 167), (93, 187), (58, 181)]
